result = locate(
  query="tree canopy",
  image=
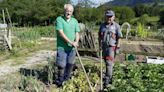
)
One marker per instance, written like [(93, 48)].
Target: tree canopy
[(44, 12)]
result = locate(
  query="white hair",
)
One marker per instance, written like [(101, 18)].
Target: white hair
[(66, 6)]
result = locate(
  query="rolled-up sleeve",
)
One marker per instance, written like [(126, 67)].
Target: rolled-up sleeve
[(77, 29)]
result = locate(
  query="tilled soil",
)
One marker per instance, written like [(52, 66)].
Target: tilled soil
[(39, 57)]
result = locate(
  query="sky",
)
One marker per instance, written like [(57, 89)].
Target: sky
[(98, 2)]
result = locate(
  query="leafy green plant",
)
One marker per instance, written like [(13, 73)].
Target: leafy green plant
[(141, 31)]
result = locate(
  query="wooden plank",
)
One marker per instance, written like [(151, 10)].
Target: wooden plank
[(1, 43), (84, 49), (8, 43), (3, 13)]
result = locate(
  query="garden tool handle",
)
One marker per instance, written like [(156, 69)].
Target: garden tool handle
[(78, 55), (101, 83)]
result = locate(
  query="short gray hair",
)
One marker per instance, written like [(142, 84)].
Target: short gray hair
[(68, 5)]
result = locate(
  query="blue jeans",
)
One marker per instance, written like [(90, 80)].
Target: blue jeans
[(65, 57), (65, 61)]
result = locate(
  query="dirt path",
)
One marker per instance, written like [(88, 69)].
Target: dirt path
[(156, 43), (39, 57)]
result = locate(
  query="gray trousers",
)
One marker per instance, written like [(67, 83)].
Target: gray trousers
[(109, 54)]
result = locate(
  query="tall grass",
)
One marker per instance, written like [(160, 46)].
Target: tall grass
[(46, 31), (28, 35), (158, 34), (31, 84), (50, 70), (33, 33)]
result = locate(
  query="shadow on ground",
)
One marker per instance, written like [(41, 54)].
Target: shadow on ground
[(40, 74)]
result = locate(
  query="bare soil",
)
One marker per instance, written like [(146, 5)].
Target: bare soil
[(39, 57)]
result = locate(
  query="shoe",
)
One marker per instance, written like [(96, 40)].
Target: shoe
[(67, 78), (107, 81), (67, 73), (58, 83)]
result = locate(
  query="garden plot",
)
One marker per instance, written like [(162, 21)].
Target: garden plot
[(39, 57)]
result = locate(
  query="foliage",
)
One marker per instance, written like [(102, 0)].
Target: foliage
[(137, 77), (33, 12), (28, 35), (124, 14), (141, 9), (131, 33), (34, 33), (162, 16), (31, 84), (127, 77), (45, 31), (158, 34), (141, 31), (88, 14), (44, 12)]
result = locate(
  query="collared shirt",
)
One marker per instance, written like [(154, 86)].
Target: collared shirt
[(69, 28), (114, 28)]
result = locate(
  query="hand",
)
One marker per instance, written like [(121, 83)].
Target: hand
[(75, 44), (100, 48), (113, 35), (117, 50)]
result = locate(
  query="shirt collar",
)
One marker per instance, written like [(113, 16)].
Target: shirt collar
[(66, 18)]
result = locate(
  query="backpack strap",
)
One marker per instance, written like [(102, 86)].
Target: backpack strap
[(107, 36)]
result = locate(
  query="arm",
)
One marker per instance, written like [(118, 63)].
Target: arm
[(100, 36), (119, 35), (77, 37), (99, 40), (118, 43), (75, 43)]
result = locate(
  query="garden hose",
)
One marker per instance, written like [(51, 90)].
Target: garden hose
[(78, 55)]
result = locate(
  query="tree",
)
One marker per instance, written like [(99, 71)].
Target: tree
[(33, 12), (141, 9), (124, 14), (162, 16)]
